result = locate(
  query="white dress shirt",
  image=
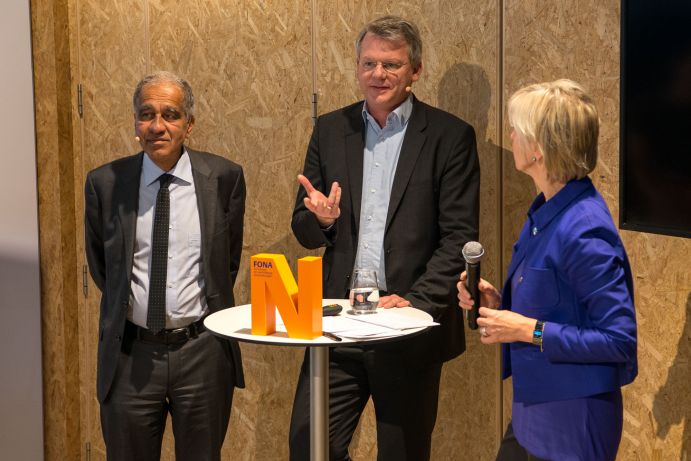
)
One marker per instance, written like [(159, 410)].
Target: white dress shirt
[(185, 302)]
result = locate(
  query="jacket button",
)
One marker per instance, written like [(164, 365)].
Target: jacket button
[(118, 337)]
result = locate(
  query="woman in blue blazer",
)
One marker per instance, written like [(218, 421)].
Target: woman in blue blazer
[(565, 316)]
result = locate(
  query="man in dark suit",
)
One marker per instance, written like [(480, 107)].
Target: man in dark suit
[(402, 180), (163, 242)]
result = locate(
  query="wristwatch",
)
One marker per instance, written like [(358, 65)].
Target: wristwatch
[(537, 333)]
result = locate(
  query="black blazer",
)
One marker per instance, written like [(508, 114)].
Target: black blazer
[(112, 197), (433, 212)]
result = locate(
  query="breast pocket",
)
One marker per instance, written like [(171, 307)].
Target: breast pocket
[(194, 254), (538, 291), (194, 241)]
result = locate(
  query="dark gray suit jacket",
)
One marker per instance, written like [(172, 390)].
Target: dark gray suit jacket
[(433, 212), (112, 197)]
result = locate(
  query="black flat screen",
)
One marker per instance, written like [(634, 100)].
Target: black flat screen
[(656, 116)]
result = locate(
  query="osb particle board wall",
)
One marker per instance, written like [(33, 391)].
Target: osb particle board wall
[(250, 65), (55, 178)]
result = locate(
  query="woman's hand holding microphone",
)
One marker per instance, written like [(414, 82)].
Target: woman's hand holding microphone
[(496, 326)]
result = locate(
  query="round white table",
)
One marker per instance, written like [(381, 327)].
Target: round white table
[(236, 323)]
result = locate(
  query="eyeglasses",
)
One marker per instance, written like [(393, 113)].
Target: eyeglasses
[(147, 114), (388, 66)]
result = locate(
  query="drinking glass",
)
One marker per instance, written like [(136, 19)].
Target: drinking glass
[(364, 292)]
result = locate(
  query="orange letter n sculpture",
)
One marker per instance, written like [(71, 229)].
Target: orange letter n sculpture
[(272, 287)]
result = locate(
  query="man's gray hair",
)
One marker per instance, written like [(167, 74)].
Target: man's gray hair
[(163, 76), (394, 28)]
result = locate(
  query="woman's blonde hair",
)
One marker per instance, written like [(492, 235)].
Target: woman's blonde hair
[(561, 120)]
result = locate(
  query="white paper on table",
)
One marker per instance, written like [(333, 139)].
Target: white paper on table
[(390, 319), (384, 324), (348, 328)]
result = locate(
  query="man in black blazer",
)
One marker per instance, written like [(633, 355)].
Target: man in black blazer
[(163, 242), (402, 180)]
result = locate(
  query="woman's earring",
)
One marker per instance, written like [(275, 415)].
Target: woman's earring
[(534, 159)]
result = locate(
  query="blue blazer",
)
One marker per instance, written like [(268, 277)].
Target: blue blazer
[(569, 269)]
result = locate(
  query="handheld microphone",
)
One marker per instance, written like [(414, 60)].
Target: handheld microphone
[(472, 253)]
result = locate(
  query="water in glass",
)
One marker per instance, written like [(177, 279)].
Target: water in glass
[(364, 292)]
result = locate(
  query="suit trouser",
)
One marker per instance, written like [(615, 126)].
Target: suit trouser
[(193, 381), (405, 403)]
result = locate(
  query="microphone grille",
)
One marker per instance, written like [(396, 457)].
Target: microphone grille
[(473, 252)]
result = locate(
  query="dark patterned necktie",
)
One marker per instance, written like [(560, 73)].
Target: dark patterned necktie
[(156, 314)]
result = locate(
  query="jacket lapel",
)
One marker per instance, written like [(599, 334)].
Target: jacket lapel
[(127, 199), (355, 148), (410, 151), (517, 257), (207, 192)]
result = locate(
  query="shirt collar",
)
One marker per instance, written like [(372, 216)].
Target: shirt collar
[(400, 115), (182, 169), (541, 212)]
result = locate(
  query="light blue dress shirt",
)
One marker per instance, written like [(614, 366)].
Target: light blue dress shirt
[(382, 150), (185, 301)]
